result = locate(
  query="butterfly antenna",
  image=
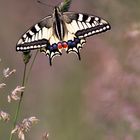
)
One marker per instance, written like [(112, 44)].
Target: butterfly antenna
[(43, 3)]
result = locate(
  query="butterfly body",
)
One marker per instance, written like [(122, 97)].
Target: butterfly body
[(61, 30)]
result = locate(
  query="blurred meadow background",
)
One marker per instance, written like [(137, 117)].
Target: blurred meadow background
[(97, 98)]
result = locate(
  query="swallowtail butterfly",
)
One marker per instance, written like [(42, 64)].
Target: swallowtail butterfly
[(61, 30)]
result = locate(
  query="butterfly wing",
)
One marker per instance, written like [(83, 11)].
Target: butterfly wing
[(82, 26), (40, 36), (76, 28)]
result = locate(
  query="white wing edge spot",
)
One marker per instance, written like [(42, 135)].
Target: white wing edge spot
[(37, 27), (24, 36), (88, 20), (18, 48), (107, 27), (34, 47), (31, 47), (104, 28), (80, 17), (96, 18), (31, 33), (85, 35), (101, 30), (89, 33)]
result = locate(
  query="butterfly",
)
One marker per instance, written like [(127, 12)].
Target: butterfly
[(61, 30)]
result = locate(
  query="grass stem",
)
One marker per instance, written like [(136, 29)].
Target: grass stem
[(19, 103)]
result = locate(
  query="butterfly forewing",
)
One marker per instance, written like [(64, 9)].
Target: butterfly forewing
[(37, 36), (83, 25)]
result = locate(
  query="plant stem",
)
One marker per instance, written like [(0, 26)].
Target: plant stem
[(24, 82), (27, 77), (19, 103)]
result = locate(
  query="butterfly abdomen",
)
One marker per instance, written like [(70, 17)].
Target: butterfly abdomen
[(58, 24)]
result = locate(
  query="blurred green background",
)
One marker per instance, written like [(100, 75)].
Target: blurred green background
[(97, 98)]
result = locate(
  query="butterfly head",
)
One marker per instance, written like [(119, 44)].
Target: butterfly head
[(57, 11)]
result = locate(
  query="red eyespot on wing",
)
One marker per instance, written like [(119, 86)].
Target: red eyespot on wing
[(65, 45), (59, 46)]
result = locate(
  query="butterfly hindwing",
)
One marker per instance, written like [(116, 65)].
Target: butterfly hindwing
[(75, 45)]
